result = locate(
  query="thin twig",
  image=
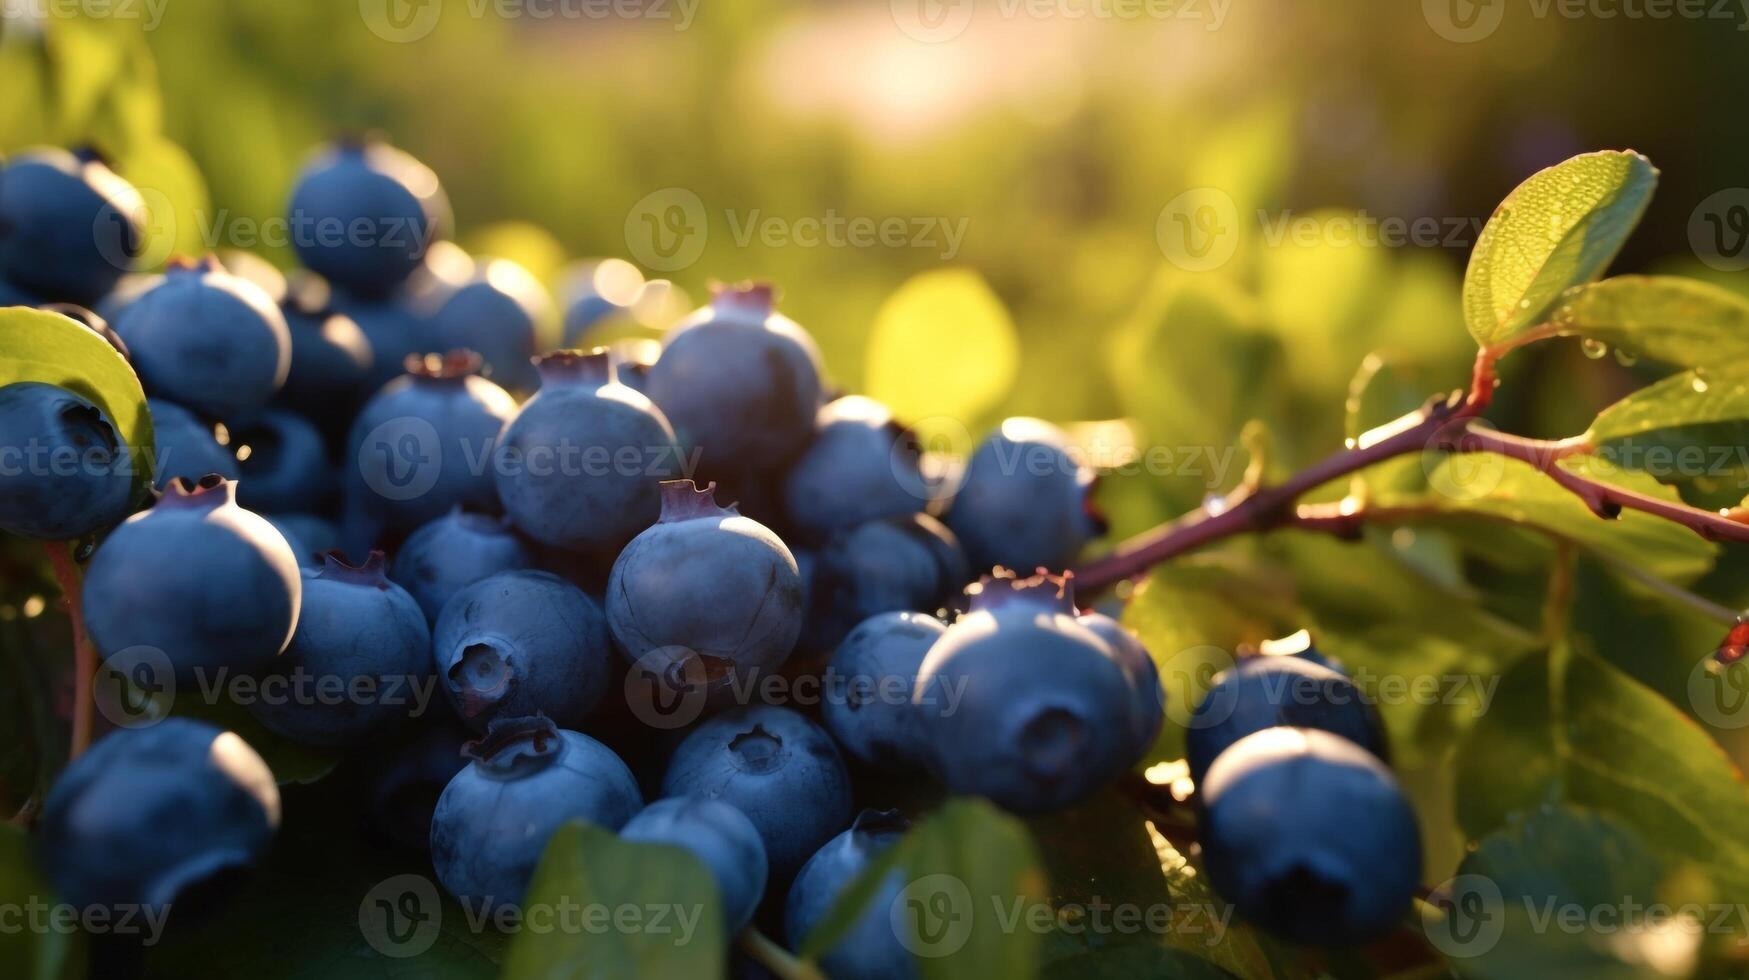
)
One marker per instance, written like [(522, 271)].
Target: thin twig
[(781, 962), (84, 656)]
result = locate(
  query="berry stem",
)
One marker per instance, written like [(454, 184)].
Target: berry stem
[(84, 657), (782, 964)]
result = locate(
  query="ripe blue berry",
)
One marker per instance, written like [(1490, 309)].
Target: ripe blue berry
[(186, 446), (632, 361), (705, 587), (332, 363), (778, 768), (357, 663), (309, 536), (911, 562), (11, 295), (208, 340), (1150, 698), (64, 471), (69, 227), (522, 642), (283, 464), (1309, 836), (721, 836), (151, 813), (453, 551), (1023, 704), (393, 327), (580, 465), (405, 773), (1023, 501), (1264, 691), (423, 444), (363, 214), (527, 777), (861, 466), (503, 313), (740, 383), (110, 305), (868, 706), (871, 949), (594, 291), (203, 580)]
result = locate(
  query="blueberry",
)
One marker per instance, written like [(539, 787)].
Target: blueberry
[(423, 444), (69, 227), (1023, 704), (632, 361), (363, 213), (152, 814), (504, 313), (120, 296), (580, 464), (208, 340), (89, 320), (186, 446), (740, 383), (332, 362), (1023, 501), (309, 536), (1144, 677), (360, 634), (515, 643), (526, 778), (867, 705), (861, 466), (404, 774), (871, 949), (11, 295), (778, 768), (254, 268), (594, 291), (1261, 692), (69, 473), (1309, 836), (453, 551), (394, 329), (907, 563), (705, 589), (283, 463), (721, 836), (206, 582)]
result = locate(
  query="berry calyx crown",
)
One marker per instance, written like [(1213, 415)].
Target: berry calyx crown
[(682, 500), (1003, 587)]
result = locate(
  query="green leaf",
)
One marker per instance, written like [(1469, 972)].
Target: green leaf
[(1692, 398), (942, 352), (679, 925), (1679, 321), (39, 346), (176, 201), (28, 952), (1557, 230), (1583, 732)]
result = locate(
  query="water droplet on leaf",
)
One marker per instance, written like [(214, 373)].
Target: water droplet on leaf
[(1593, 348)]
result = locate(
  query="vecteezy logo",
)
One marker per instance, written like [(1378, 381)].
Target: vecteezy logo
[(932, 916), (400, 21), (1718, 230), (1463, 21), (1188, 675), (401, 916), (1719, 693), (1199, 229), (667, 687), (135, 687), (666, 230), (401, 458), (1474, 919), (932, 21)]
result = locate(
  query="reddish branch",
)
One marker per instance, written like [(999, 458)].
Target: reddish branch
[(84, 656)]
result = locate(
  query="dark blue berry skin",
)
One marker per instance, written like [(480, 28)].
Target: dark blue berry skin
[(740, 383), (454, 551), (363, 214), (871, 950), (208, 340), (67, 471), (707, 587), (778, 768), (393, 327), (1150, 698), (424, 443), (1309, 836), (122, 295), (332, 363), (504, 314), (594, 291), (867, 704), (721, 836), (1024, 705), (208, 583), (911, 562), (283, 464), (69, 227), (861, 466), (149, 813), (404, 774), (186, 446), (632, 361), (526, 779), (1023, 500), (522, 642), (360, 634), (1265, 691), (309, 536), (580, 465), (11, 295)]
